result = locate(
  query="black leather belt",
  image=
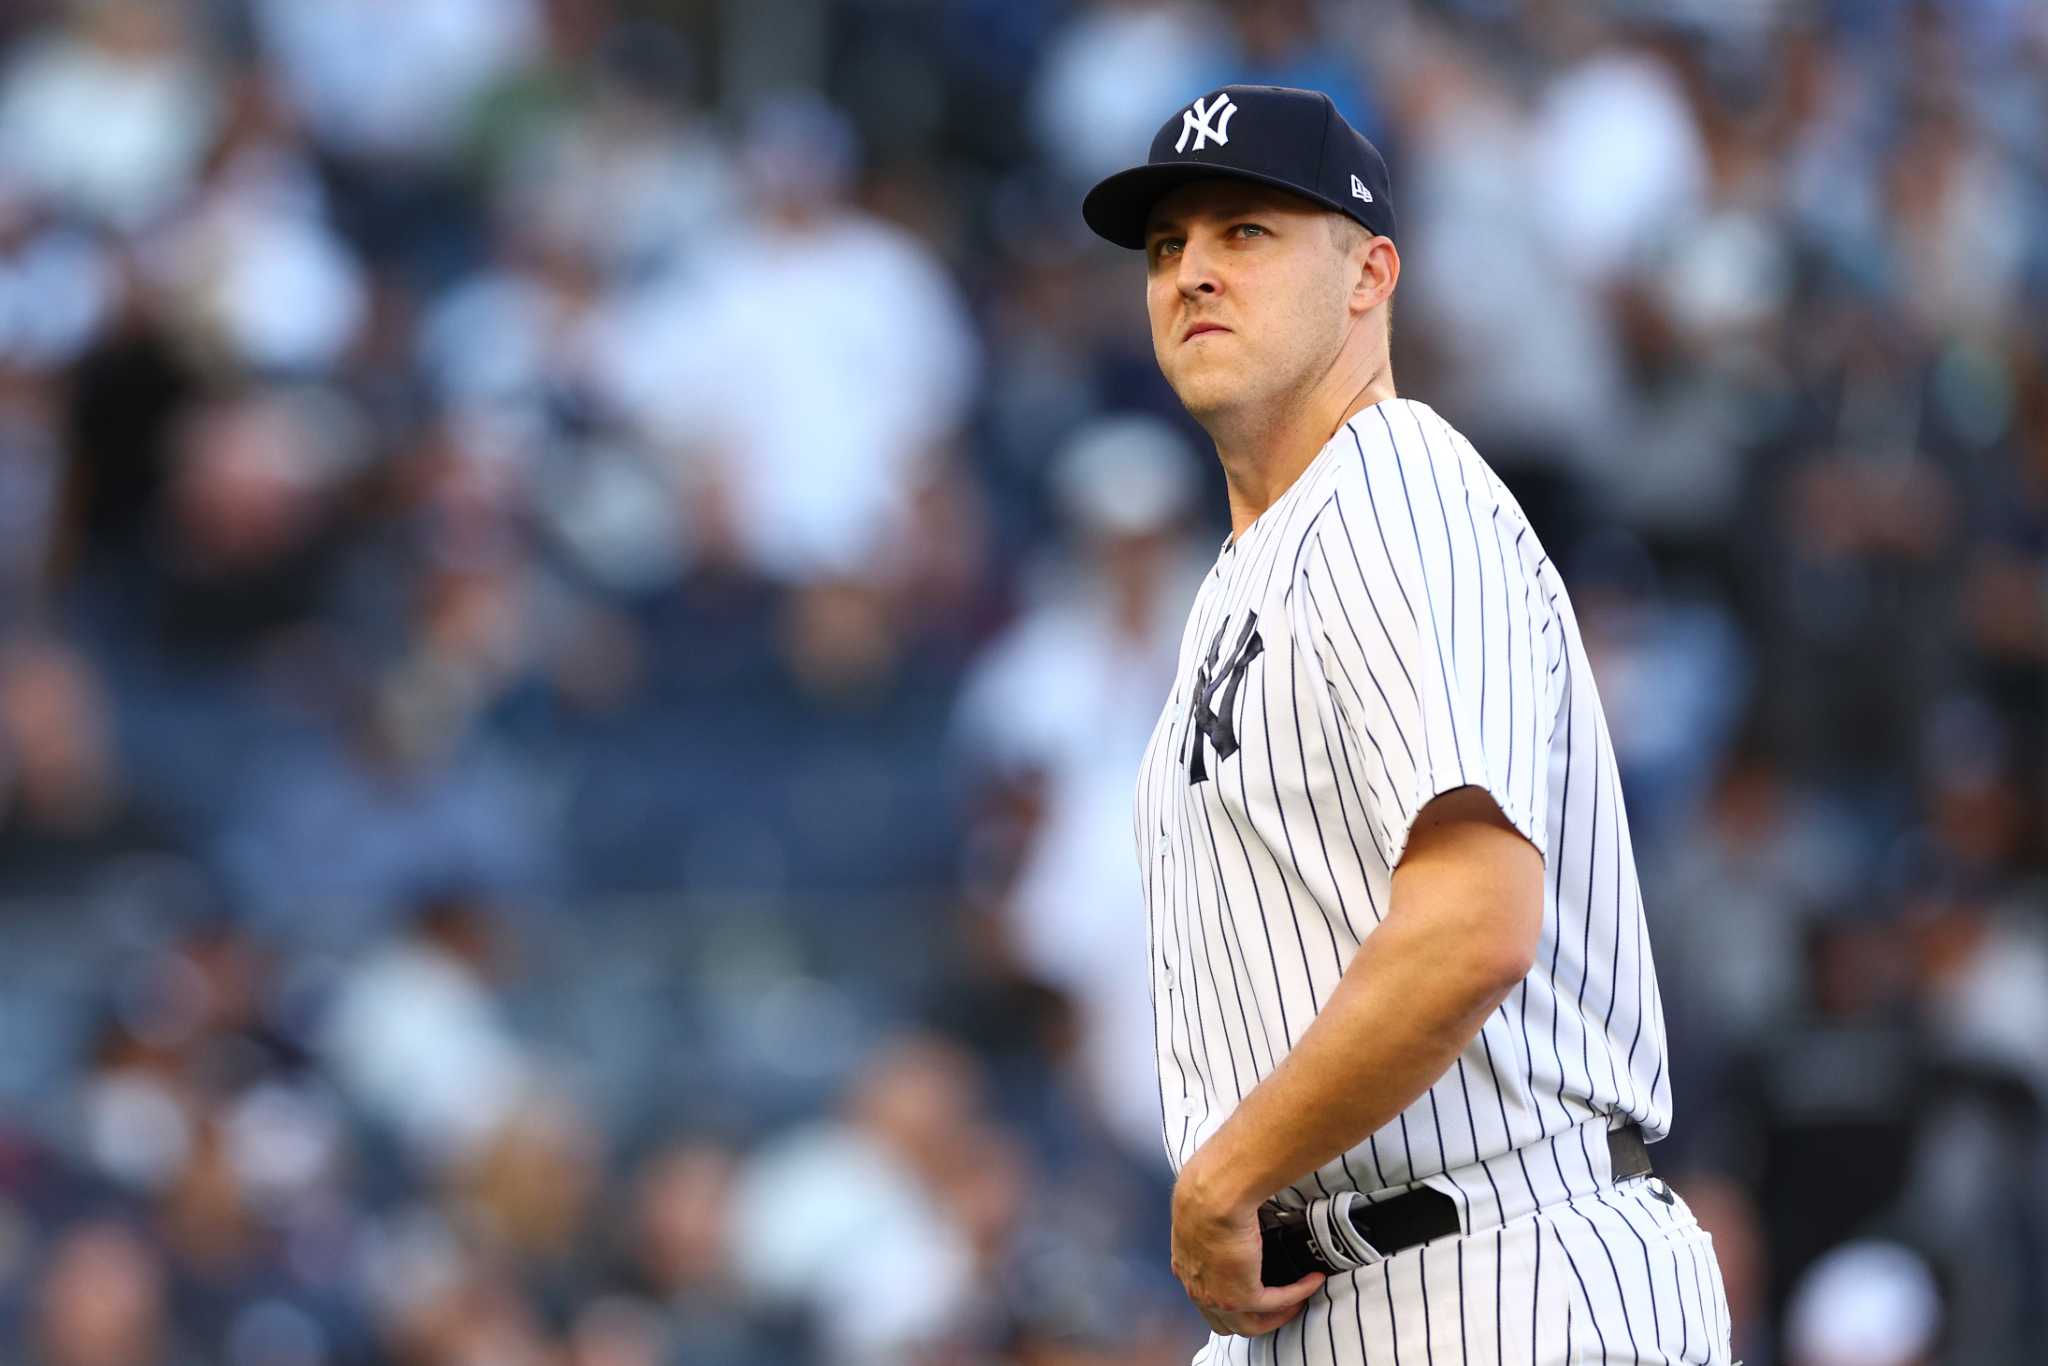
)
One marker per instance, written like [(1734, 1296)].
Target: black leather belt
[(1293, 1247)]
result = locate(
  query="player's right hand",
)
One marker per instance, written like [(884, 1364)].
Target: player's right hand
[(1217, 1256)]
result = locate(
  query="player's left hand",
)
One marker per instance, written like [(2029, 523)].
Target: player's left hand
[(1217, 1255)]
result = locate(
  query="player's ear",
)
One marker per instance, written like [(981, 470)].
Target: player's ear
[(1376, 269)]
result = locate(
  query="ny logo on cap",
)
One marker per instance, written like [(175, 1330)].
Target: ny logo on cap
[(1205, 122)]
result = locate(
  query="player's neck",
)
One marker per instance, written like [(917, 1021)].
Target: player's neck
[(1264, 454)]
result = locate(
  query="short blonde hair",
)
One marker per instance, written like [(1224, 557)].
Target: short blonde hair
[(1347, 232)]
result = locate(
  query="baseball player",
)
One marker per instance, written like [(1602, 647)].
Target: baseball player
[(1410, 1044)]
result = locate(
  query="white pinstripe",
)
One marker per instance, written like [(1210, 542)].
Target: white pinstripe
[(1415, 639)]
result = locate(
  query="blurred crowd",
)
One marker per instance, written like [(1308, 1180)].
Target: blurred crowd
[(582, 584)]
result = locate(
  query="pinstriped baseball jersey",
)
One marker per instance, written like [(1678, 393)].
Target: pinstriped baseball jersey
[(1388, 630)]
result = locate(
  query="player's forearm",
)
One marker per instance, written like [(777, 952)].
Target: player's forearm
[(1460, 935), (1396, 1022)]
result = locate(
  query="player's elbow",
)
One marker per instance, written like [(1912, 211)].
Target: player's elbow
[(1504, 922), (1481, 934), (1509, 957)]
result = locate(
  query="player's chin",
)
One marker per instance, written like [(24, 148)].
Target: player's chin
[(1204, 388)]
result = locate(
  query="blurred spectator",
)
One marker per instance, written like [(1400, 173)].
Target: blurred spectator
[(1958, 219), (103, 1301), (528, 1192), (118, 431), (1673, 677), (683, 1222), (66, 814), (1615, 153), (471, 1311), (401, 785), (1055, 716), (30, 484), (859, 1220), (619, 1333), (1839, 1089), (810, 375), (684, 1231), (135, 1117), (1309, 44), (1865, 1304), (1489, 303), (627, 171), (249, 517), (57, 288), (389, 93), (111, 114), (1987, 987), (252, 265), (384, 80), (1764, 857), (417, 1039), (1111, 74)]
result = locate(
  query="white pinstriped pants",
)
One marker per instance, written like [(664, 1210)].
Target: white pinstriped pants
[(1610, 1275)]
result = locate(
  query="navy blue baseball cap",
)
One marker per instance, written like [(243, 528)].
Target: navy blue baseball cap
[(1293, 140)]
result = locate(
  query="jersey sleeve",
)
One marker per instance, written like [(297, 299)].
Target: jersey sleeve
[(1421, 588)]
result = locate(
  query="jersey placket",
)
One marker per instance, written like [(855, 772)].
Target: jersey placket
[(1238, 1011), (1211, 1093), (1183, 1090)]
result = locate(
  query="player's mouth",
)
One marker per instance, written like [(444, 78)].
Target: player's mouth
[(1198, 329)]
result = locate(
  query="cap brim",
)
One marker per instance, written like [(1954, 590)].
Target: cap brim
[(1117, 208)]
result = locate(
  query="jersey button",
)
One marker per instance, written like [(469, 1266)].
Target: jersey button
[(1165, 845)]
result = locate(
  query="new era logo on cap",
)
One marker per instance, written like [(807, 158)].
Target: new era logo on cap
[(1293, 140)]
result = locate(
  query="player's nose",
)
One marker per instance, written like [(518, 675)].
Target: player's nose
[(1195, 272)]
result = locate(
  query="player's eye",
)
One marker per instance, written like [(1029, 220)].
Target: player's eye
[(1251, 230), (1166, 246)]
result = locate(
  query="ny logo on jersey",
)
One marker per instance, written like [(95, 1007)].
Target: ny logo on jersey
[(1205, 121), (1217, 725)]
